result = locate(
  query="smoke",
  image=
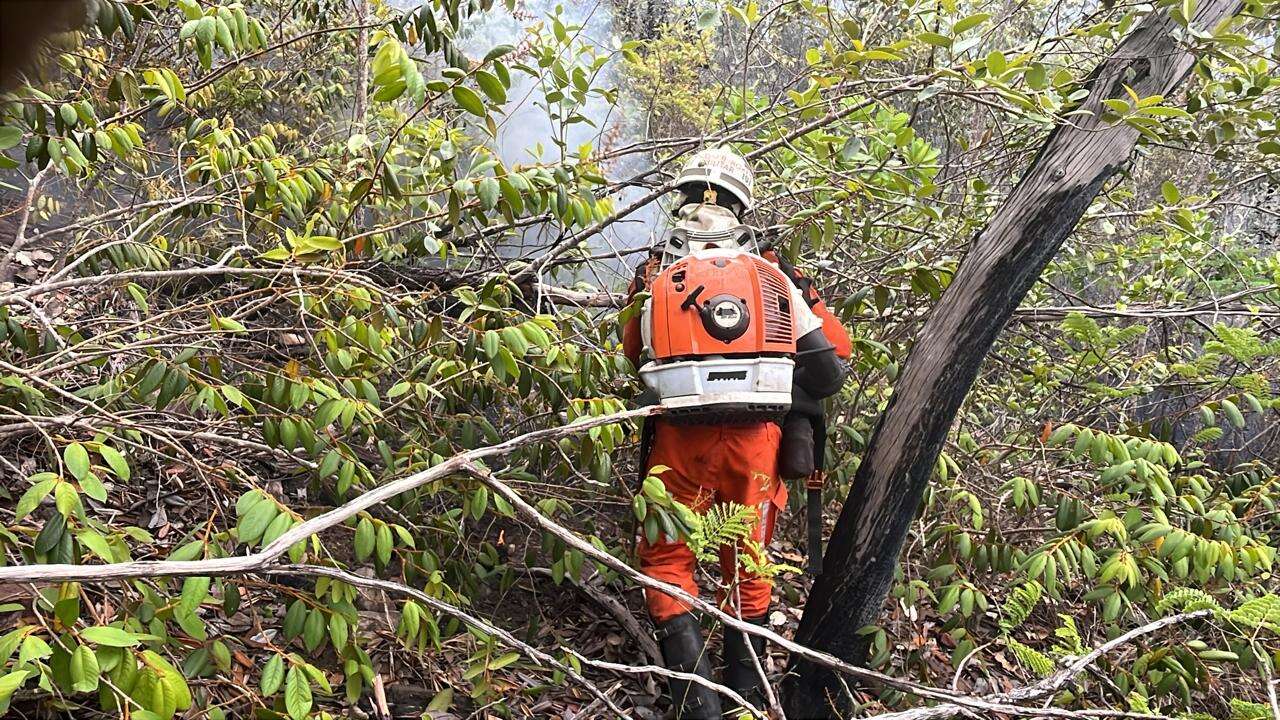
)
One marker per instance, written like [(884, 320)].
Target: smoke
[(527, 133)]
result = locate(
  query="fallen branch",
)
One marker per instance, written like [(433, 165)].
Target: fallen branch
[(212, 270), (259, 561), (674, 674), (1213, 306), (1055, 682)]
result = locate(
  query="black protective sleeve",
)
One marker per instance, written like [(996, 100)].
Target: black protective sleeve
[(819, 371)]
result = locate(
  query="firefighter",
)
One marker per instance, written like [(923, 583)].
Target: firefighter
[(734, 462)]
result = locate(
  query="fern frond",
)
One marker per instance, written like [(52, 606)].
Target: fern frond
[(1243, 344), (1258, 612), (1187, 600), (1207, 435), (722, 524), (756, 562), (1139, 703), (1071, 642), (1244, 710), (1032, 659), (1082, 328), (1018, 606)]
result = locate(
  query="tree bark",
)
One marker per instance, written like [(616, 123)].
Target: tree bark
[(1004, 261)]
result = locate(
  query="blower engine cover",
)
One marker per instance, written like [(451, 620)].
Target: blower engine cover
[(720, 331)]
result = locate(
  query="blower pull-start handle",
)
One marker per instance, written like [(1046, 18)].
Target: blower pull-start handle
[(692, 300)]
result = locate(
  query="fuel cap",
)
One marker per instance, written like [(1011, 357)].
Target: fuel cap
[(725, 317)]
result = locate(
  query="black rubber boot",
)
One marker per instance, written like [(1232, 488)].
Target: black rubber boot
[(684, 650), (740, 672)]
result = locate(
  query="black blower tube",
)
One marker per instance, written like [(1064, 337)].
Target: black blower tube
[(819, 371)]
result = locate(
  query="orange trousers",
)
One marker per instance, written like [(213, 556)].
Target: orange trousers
[(712, 464)]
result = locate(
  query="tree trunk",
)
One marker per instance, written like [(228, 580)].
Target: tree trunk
[(1004, 261), (361, 106)]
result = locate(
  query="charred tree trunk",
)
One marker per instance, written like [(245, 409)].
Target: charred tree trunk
[(1004, 261)]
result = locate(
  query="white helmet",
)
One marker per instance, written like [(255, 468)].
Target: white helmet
[(724, 169)]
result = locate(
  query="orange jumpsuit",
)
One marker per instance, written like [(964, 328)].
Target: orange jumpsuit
[(718, 463)]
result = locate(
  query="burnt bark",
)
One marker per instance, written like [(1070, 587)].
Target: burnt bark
[(24, 24), (1005, 259)]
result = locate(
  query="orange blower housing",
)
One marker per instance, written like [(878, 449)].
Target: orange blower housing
[(720, 327)]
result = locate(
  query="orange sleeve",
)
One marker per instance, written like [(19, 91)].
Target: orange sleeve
[(632, 345), (833, 329)]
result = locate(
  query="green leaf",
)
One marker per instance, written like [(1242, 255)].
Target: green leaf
[(970, 22), (339, 631), (256, 520), (329, 465), (68, 115), (96, 544), (364, 544), (108, 636), (383, 543), (194, 592), (93, 487), (297, 694), (9, 137), (11, 682), (83, 668), (442, 701), (205, 30), (322, 242), (294, 619), (313, 630), (272, 675), (497, 51), (279, 526), (115, 461), (491, 86), (174, 682), (189, 551), (1233, 413), (935, 39), (226, 323), (1170, 192), (488, 192), (247, 502), (66, 499), (504, 661), (30, 500), (139, 296), (1218, 655), (77, 460), (468, 100)]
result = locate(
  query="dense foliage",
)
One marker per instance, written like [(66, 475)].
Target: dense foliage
[(239, 295)]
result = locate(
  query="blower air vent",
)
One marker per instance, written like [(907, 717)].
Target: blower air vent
[(723, 375), (777, 304)]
